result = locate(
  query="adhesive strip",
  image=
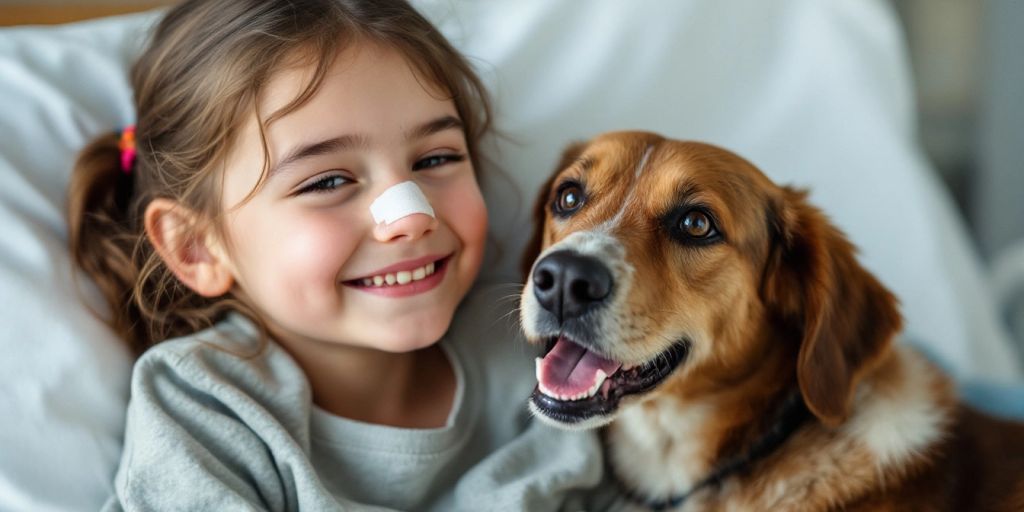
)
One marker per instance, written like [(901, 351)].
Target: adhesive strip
[(399, 201)]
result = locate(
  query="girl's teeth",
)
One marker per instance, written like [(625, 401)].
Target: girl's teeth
[(401, 277), (404, 277)]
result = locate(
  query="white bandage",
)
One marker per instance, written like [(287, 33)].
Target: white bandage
[(399, 201)]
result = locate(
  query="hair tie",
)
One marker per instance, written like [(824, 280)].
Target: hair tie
[(127, 147)]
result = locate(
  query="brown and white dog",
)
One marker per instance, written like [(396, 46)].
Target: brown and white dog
[(745, 356)]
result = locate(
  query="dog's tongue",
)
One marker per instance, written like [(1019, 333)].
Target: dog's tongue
[(570, 369)]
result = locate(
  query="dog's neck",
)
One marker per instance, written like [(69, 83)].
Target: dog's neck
[(788, 417), (674, 445), (691, 441)]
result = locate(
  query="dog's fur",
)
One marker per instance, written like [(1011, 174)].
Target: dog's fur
[(778, 307)]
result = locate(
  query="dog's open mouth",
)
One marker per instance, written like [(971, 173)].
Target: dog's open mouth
[(575, 383)]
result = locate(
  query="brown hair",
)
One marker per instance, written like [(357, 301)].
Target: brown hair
[(198, 80)]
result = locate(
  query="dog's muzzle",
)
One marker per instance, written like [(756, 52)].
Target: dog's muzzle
[(578, 382)]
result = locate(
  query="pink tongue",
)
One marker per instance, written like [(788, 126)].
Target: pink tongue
[(570, 369)]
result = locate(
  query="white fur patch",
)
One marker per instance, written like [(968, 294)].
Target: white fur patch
[(610, 224), (899, 424), (659, 451), (602, 246), (399, 201)]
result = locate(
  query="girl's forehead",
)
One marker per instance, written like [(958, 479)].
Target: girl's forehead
[(365, 88), (353, 66)]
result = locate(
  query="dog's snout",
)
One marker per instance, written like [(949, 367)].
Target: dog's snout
[(567, 283)]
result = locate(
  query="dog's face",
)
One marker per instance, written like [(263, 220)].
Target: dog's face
[(658, 265)]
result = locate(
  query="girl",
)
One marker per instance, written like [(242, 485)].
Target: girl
[(235, 216)]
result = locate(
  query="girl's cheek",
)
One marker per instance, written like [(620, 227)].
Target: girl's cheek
[(479, 216), (469, 206), (287, 249), (321, 244)]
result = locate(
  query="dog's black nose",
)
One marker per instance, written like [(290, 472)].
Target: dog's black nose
[(567, 283)]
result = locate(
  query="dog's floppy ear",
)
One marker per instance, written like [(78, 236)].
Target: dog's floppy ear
[(533, 247), (845, 317)]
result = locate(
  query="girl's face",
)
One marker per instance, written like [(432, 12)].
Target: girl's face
[(302, 248)]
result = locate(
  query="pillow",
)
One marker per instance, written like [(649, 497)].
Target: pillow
[(64, 375), (815, 93)]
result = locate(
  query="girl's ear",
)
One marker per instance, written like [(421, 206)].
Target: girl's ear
[(189, 250), (845, 317)]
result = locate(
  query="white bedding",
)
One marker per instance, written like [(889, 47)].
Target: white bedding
[(815, 93)]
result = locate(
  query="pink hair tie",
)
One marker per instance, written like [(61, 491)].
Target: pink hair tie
[(127, 147)]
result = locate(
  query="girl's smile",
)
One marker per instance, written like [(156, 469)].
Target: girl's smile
[(404, 279)]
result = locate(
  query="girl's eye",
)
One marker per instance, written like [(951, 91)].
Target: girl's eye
[(436, 161), (325, 184)]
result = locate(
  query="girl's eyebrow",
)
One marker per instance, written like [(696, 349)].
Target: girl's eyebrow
[(344, 142), (323, 147), (431, 127)]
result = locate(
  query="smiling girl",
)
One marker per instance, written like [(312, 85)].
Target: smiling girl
[(313, 362)]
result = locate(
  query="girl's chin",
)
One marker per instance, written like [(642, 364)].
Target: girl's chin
[(403, 348), (407, 339)]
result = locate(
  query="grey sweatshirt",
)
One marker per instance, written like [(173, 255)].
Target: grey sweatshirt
[(216, 423)]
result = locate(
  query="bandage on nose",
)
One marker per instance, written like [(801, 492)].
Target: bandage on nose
[(399, 201)]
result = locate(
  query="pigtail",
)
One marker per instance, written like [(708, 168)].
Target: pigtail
[(104, 233), (108, 242)]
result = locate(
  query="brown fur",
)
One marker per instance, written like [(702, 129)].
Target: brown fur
[(780, 305)]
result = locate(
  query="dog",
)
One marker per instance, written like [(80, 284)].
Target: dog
[(736, 355)]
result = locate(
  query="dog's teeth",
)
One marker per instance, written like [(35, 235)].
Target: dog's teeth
[(539, 361), (546, 391), (601, 377)]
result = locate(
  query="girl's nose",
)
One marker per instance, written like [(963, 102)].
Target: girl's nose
[(410, 227)]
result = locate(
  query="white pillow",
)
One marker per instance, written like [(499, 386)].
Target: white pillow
[(815, 93), (63, 374)]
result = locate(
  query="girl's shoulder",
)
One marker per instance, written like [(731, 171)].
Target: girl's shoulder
[(234, 342), (234, 335), (228, 362), (208, 407)]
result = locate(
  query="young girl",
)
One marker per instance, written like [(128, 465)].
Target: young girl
[(297, 207)]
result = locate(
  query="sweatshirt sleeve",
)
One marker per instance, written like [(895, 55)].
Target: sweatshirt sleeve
[(187, 446), (543, 469)]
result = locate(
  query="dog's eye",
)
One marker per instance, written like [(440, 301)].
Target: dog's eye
[(696, 224), (570, 198)]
